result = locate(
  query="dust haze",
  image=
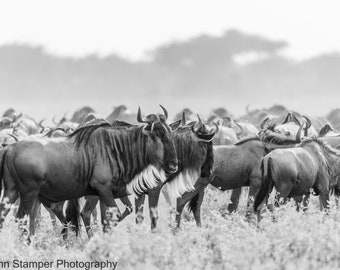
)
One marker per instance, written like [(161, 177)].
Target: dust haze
[(231, 70)]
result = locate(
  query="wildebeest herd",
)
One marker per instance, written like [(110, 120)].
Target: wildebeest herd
[(103, 159)]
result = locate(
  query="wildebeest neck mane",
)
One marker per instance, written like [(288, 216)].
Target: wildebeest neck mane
[(186, 147), (278, 140), (123, 148)]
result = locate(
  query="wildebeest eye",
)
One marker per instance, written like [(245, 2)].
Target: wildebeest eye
[(287, 133)]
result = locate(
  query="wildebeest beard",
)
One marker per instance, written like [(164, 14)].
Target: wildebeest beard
[(119, 146), (195, 159)]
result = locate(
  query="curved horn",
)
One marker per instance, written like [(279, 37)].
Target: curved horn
[(40, 123), (54, 121), (15, 138), (165, 112), (16, 117), (247, 109), (216, 128), (240, 127), (308, 124), (298, 134), (199, 124), (139, 116), (288, 118), (263, 122), (183, 121), (199, 120)]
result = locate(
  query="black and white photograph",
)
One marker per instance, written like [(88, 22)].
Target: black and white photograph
[(158, 134)]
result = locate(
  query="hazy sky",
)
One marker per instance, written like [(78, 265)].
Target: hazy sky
[(131, 28)]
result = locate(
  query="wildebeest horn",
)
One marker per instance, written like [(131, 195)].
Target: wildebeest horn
[(199, 124), (54, 121), (240, 127), (139, 116), (247, 109), (183, 121), (298, 134), (199, 120), (15, 138), (40, 123), (16, 117), (216, 128), (308, 124), (165, 112), (263, 122), (288, 118)]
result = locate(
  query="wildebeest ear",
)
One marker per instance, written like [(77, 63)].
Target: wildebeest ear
[(175, 125)]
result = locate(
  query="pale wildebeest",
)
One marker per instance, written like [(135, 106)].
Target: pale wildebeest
[(94, 160), (313, 164)]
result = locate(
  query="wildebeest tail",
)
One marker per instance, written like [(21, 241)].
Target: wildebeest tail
[(2, 165), (267, 181), (73, 215), (192, 205)]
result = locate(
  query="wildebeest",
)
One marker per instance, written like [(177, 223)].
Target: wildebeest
[(313, 164), (193, 144), (97, 159)]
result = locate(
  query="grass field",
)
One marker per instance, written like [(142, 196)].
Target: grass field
[(297, 240)]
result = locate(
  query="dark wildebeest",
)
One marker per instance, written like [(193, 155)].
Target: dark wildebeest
[(313, 164), (97, 159), (276, 133), (194, 149)]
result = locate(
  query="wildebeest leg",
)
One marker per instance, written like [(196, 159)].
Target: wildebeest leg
[(112, 213), (298, 200), (33, 214), (197, 210), (235, 197), (153, 204), (90, 204), (53, 217), (165, 193), (95, 216), (57, 210), (324, 198), (179, 209), (22, 224), (128, 210), (9, 198), (103, 209), (336, 196), (181, 202), (305, 202), (255, 184), (139, 207)]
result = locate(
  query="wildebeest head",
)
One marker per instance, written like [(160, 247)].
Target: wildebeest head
[(194, 146), (195, 155), (6, 122), (287, 129), (160, 135)]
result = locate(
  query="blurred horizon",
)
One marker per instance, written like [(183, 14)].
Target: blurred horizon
[(57, 56), (232, 70)]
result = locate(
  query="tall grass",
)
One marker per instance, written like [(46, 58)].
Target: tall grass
[(295, 240)]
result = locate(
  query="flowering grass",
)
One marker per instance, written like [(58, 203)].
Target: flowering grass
[(295, 240)]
